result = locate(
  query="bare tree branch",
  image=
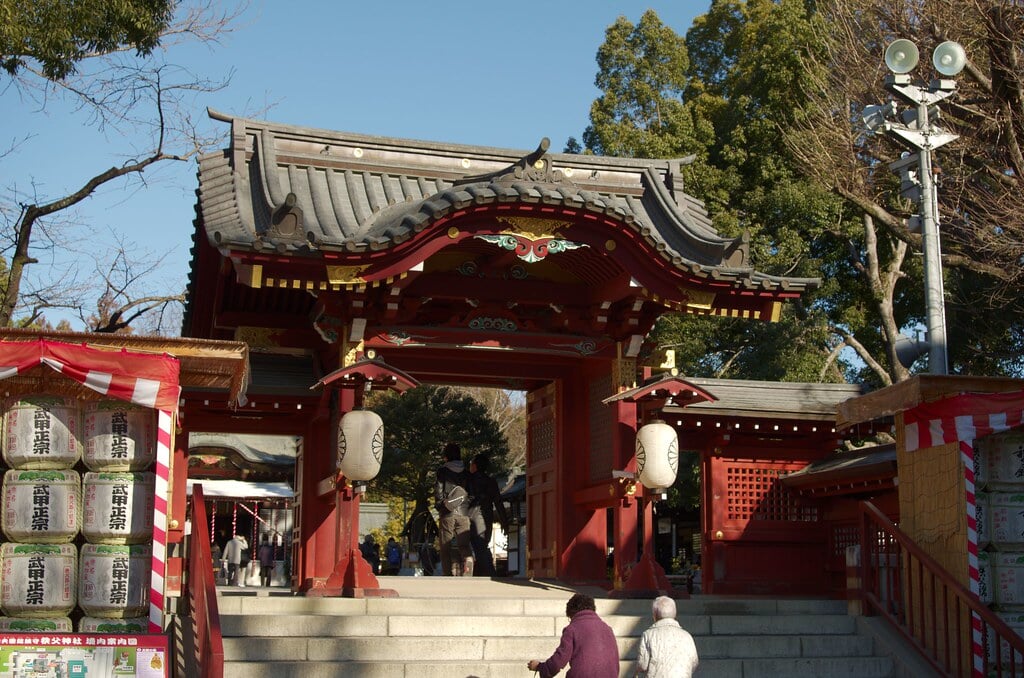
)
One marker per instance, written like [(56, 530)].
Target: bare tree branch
[(140, 98)]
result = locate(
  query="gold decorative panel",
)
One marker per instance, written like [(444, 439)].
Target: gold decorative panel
[(534, 228), (346, 275)]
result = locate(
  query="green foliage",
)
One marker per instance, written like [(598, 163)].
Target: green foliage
[(57, 34), (642, 70), (418, 424), (724, 93), (395, 523)]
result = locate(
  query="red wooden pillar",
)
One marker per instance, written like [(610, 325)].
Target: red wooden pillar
[(582, 528), (708, 540), (348, 573), (315, 506), (339, 568), (626, 527)]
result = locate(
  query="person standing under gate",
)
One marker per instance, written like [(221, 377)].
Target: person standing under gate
[(485, 502), (392, 558), (370, 550), (666, 650), (588, 645), (233, 554), (266, 556), (421, 530), (452, 499)]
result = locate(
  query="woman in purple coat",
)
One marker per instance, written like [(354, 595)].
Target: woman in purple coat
[(588, 645)]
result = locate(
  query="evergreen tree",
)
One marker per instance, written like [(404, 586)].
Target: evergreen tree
[(417, 425)]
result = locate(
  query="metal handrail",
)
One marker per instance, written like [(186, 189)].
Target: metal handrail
[(202, 593), (956, 633)]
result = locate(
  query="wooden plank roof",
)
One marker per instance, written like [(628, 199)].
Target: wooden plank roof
[(920, 388)]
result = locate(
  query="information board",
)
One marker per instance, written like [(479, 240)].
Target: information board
[(81, 655)]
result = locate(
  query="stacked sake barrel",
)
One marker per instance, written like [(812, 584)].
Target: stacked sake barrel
[(999, 477), (77, 513)]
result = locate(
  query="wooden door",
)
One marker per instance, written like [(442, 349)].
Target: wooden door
[(541, 488)]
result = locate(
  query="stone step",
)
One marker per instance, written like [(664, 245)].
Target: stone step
[(516, 626), (264, 649), (846, 667), (452, 628), (287, 603), (871, 667), (738, 647)]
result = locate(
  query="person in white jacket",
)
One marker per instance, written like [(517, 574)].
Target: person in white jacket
[(233, 554), (667, 650)]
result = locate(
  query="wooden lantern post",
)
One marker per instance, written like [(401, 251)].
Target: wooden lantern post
[(352, 576), (647, 578)]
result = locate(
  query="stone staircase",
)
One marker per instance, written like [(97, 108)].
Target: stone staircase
[(444, 627)]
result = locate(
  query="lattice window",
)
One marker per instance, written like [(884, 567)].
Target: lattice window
[(755, 493), (542, 439), (842, 536), (601, 429)]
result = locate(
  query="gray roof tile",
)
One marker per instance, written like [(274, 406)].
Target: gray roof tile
[(355, 192)]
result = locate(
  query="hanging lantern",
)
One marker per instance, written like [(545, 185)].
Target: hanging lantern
[(657, 455), (360, 444)]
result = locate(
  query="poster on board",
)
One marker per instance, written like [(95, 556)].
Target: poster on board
[(70, 655)]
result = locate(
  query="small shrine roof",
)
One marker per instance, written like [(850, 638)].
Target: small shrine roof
[(299, 191), (851, 470), (769, 399), (253, 447), (676, 390)]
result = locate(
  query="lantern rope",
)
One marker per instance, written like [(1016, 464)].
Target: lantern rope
[(213, 522)]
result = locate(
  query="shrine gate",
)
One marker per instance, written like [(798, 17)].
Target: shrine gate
[(391, 262)]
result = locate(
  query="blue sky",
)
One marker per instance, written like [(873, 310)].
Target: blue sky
[(495, 74)]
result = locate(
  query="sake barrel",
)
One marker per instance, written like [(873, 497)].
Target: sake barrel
[(47, 625), (42, 432), (113, 580), (117, 508), (1008, 579), (42, 507), (132, 626), (1001, 460), (981, 510), (1015, 620), (39, 580), (1005, 520), (986, 576), (117, 436)]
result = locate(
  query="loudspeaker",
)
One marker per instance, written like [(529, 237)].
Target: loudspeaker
[(909, 350), (949, 58), (901, 56)]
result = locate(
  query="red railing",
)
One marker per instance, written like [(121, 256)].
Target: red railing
[(951, 628), (202, 593)]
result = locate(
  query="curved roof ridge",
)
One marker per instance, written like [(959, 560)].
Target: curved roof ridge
[(498, 152)]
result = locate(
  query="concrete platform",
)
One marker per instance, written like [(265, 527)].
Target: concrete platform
[(464, 587)]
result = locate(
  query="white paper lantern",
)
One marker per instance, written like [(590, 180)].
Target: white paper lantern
[(657, 455), (360, 444)]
